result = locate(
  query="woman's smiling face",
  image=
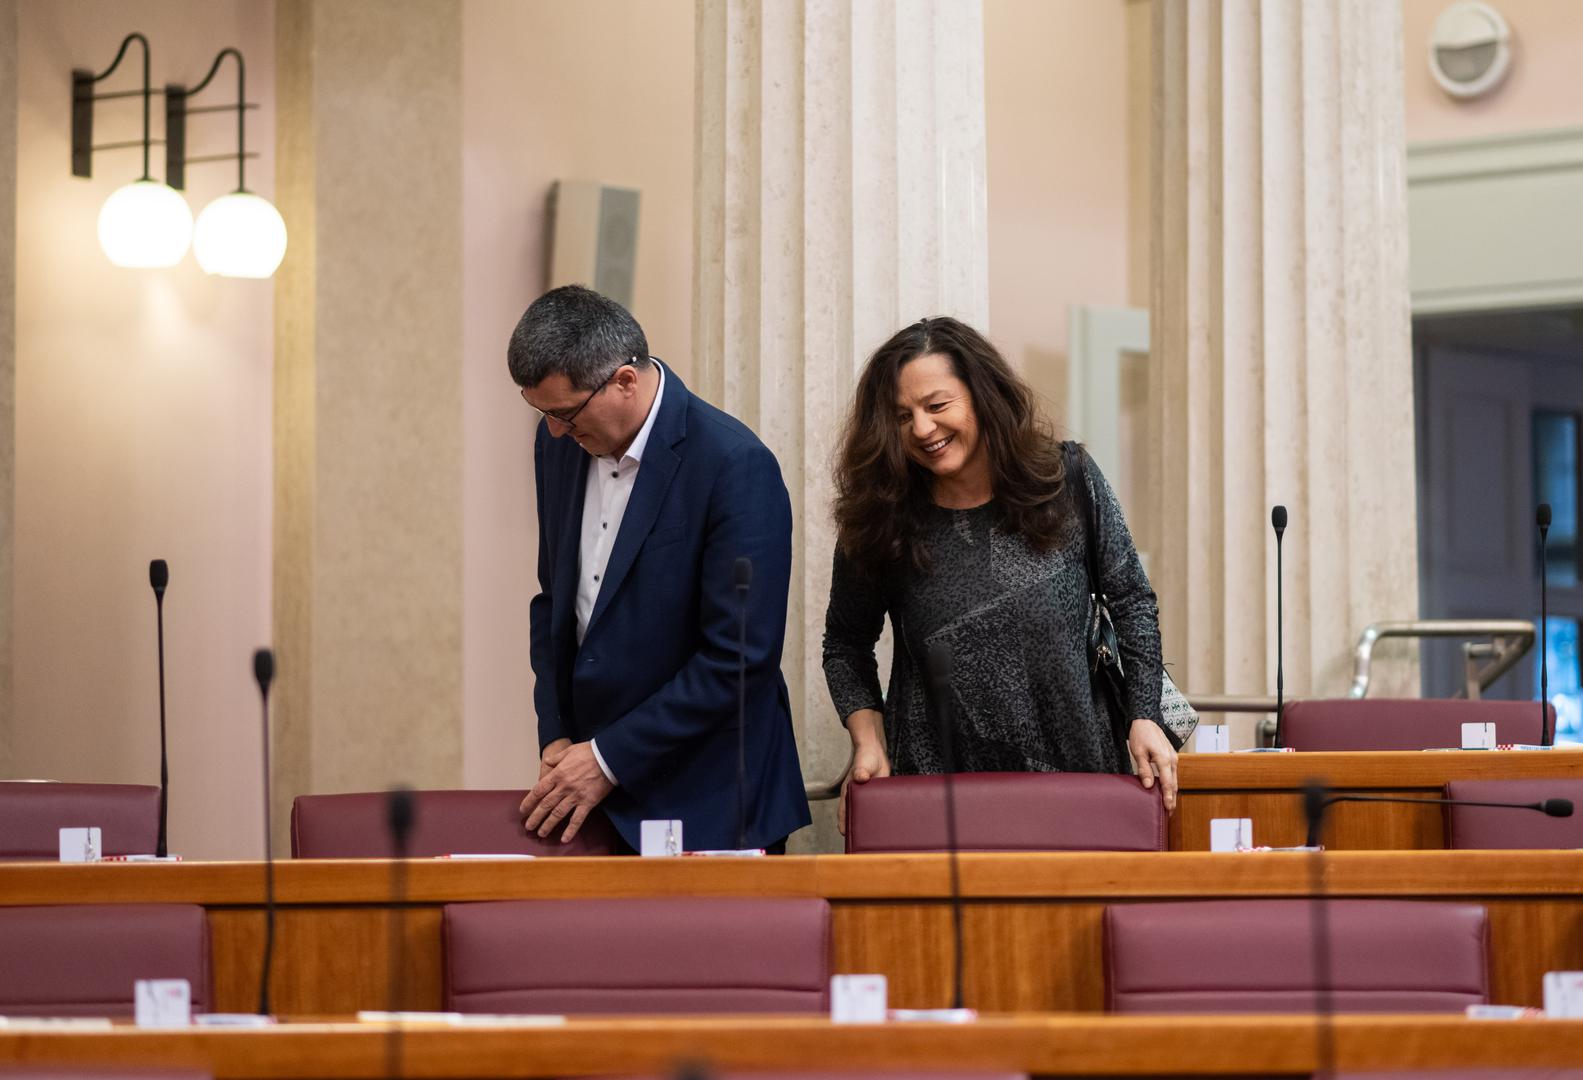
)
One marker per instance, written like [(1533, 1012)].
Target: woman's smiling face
[(934, 408)]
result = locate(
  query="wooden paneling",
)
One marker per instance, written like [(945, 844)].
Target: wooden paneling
[(1040, 1045), (1031, 928)]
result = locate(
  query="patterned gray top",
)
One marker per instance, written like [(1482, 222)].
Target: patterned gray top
[(1014, 619)]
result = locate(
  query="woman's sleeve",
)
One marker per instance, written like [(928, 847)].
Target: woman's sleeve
[(852, 624), (1132, 602)]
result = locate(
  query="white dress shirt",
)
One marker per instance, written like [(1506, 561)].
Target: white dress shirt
[(610, 484)]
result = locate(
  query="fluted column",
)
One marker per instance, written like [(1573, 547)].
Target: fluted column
[(839, 194), (1281, 335)]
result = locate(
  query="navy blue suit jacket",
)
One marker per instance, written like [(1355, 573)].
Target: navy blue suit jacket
[(656, 676)]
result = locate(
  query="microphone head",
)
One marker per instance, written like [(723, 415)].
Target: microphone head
[(264, 668), (159, 575), (742, 572), (940, 664), (1557, 807), (1543, 516), (1278, 519), (401, 810)]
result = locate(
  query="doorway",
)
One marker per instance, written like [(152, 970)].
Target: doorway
[(1499, 430)]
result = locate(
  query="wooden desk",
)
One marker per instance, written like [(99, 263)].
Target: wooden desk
[(1032, 923), (1045, 1045), (1268, 788)]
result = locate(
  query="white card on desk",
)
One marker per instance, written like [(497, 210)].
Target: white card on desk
[(162, 1003), (660, 838), (1230, 833), (1212, 739), (1564, 994), (1478, 736), (857, 999), (80, 845)]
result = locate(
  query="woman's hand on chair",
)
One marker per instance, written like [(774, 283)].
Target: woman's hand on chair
[(1153, 759), (869, 759)]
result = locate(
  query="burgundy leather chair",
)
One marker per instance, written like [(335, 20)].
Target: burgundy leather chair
[(638, 956), (82, 959), (32, 815), (1403, 723), (445, 823), (1495, 827), (1007, 812), (1257, 956)]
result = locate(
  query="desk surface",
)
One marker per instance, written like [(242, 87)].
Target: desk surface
[(1050, 1044)]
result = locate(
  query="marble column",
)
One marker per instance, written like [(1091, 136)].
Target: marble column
[(839, 194), (8, 170), (1282, 339), (368, 413)]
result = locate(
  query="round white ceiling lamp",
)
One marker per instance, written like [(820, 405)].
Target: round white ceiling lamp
[(1470, 49)]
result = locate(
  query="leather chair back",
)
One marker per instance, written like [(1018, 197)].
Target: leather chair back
[(445, 823), (1495, 827), (1007, 812), (82, 959), (32, 815), (1403, 723), (1257, 956), (638, 956)]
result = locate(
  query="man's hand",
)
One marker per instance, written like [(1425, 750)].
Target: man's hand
[(552, 755), (1153, 757), (569, 787)]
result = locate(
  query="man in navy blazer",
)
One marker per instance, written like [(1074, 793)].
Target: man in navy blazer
[(647, 498)]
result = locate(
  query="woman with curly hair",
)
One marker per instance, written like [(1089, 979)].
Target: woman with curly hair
[(954, 516)]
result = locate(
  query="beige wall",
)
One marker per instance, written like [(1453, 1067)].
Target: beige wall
[(8, 61), (1541, 91), (143, 405), (1056, 111), (598, 90)]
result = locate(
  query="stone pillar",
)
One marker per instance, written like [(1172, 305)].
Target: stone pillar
[(368, 413), (1282, 338), (839, 194), (8, 168)]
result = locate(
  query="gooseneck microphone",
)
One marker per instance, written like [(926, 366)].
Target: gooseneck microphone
[(159, 577), (742, 578), (940, 684), (1560, 808), (264, 673), (1546, 736), (401, 812), (1278, 523)]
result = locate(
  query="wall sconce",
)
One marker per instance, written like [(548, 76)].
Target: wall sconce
[(145, 223), (240, 234)]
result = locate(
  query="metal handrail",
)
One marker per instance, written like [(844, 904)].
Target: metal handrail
[(1510, 641)]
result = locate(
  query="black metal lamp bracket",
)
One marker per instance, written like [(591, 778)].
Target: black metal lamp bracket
[(82, 99), (177, 110)]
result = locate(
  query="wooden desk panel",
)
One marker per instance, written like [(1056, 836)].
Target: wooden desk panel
[(1047, 1045), (1032, 923), (1268, 788)]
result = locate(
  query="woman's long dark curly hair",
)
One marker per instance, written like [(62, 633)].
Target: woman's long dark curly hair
[(883, 497)]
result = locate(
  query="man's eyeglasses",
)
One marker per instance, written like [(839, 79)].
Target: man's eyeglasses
[(569, 418)]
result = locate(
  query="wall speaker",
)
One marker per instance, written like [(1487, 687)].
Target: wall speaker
[(594, 237)]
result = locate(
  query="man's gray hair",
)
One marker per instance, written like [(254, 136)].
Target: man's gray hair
[(578, 333)]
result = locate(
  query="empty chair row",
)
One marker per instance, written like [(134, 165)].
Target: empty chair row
[(774, 955), (994, 812)]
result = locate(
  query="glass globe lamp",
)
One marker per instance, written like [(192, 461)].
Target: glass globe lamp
[(240, 235), (145, 224)]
